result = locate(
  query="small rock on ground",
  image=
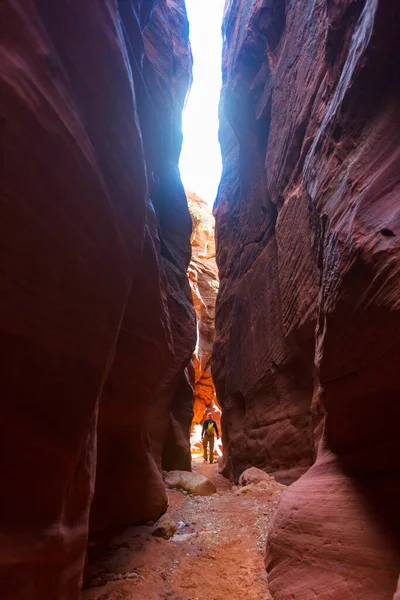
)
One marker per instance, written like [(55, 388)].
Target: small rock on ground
[(165, 527)]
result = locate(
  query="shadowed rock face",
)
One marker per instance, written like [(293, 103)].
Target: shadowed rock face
[(161, 89), (203, 279), (307, 322), (96, 305)]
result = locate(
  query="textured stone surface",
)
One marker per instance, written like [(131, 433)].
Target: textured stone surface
[(203, 279), (307, 319), (95, 242)]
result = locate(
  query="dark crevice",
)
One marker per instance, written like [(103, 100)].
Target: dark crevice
[(387, 232), (272, 21)]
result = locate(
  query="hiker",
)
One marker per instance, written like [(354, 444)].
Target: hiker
[(209, 430)]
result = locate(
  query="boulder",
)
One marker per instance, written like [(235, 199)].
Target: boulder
[(253, 475), (192, 483), (165, 527)]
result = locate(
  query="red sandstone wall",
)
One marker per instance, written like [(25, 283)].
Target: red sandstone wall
[(158, 338), (93, 276), (308, 315)]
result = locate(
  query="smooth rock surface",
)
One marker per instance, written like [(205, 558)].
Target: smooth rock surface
[(193, 483), (146, 410), (96, 311), (253, 476), (307, 346)]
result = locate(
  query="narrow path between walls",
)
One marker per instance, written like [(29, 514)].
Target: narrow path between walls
[(217, 554)]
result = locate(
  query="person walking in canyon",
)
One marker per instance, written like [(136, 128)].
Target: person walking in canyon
[(210, 429)]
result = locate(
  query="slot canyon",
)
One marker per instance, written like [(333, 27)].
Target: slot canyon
[(130, 309), (203, 278)]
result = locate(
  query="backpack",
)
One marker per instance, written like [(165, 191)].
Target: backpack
[(210, 428)]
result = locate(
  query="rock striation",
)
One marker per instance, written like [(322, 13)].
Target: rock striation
[(97, 323), (308, 312), (203, 278)]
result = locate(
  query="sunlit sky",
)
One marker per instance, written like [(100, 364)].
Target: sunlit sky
[(200, 162)]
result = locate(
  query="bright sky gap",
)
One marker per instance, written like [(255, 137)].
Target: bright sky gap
[(200, 163)]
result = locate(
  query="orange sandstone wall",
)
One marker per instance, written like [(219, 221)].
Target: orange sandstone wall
[(203, 280)]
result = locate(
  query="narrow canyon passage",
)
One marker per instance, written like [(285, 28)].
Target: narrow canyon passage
[(133, 320), (216, 554)]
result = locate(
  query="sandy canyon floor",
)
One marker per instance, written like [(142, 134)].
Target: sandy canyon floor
[(217, 553)]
